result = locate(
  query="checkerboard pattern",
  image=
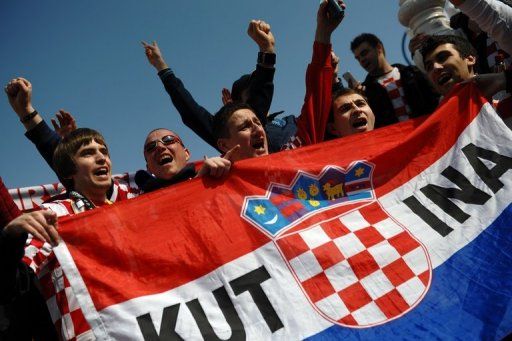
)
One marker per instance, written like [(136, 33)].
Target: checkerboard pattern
[(62, 304), (393, 85), (359, 269)]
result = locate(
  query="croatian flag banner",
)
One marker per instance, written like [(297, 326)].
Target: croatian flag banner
[(400, 233)]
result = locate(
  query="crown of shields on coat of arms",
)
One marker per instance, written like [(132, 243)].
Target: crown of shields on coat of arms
[(357, 266)]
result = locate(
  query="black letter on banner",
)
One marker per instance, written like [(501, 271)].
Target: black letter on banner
[(229, 311), (489, 176), (167, 333), (467, 193), (430, 218), (252, 282)]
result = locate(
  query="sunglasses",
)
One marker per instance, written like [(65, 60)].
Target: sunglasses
[(166, 140)]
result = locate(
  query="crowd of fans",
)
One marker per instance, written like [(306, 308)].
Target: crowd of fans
[(243, 128)]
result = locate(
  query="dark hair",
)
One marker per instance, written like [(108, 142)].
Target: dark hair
[(369, 38), (221, 118), (460, 44), (335, 95), (239, 86), (460, 21), (344, 92), (63, 156)]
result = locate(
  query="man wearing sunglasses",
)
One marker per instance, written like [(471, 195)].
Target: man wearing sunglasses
[(165, 154), (167, 162)]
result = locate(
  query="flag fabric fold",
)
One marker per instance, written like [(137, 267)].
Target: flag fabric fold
[(402, 233)]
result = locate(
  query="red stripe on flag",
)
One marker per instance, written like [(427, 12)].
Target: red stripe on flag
[(193, 228)]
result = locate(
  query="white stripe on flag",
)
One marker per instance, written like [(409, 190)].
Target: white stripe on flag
[(482, 133)]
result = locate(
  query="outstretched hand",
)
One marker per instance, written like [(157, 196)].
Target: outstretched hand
[(66, 123), (154, 56), (218, 167), (325, 23), (19, 93), (260, 32), (41, 224), (226, 96)]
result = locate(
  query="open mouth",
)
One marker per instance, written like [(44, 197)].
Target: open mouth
[(259, 145), (165, 159), (360, 122), (103, 171)]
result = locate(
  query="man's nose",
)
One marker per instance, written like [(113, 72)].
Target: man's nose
[(256, 128), (160, 145), (354, 109), (100, 157)]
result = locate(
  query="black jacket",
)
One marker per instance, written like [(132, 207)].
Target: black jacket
[(419, 95), (200, 120), (23, 311)]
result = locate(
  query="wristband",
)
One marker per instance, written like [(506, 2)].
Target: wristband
[(508, 80), (28, 117), (266, 58)]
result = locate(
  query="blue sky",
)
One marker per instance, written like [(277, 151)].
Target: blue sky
[(86, 57)]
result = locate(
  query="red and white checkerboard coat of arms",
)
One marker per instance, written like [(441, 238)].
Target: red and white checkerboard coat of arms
[(356, 264)]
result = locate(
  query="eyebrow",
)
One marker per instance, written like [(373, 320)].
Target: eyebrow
[(344, 107), (89, 149)]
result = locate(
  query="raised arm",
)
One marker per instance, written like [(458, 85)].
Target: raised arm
[(192, 114), (493, 17), (261, 85), (312, 122), (19, 93)]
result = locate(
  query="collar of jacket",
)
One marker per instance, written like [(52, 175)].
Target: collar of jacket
[(148, 183)]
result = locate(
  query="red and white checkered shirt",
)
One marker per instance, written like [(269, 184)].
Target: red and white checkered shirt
[(393, 85), (60, 299)]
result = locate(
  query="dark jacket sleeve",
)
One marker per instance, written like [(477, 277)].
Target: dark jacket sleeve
[(45, 139), (192, 114), (261, 91), (11, 252), (418, 88)]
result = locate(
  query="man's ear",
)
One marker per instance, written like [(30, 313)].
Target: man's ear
[(471, 61), (188, 153), (222, 143), (380, 48)]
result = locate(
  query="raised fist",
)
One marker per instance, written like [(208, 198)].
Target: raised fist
[(19, 93), (260, 32)]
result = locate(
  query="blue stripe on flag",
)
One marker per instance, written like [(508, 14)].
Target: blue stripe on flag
[(470, 297)]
